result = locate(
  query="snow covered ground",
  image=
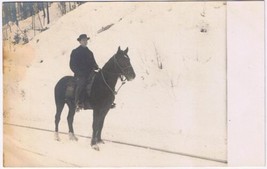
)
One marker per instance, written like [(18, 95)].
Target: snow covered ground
[(33, 148), (177, 101)]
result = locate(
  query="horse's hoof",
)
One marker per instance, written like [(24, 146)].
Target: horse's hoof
[(73, 137), (95, 147), (57, 138), (100, 142)]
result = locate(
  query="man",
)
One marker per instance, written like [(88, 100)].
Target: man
[(82, 63)]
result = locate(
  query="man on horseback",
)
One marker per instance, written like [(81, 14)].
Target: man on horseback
[(83, 64)]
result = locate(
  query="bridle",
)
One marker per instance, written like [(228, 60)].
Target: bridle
[(122, 69), (122, 77)]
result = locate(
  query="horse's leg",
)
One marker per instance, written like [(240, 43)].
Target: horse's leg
[(96, 121), (60, 106), (70, 118), (101, 124)]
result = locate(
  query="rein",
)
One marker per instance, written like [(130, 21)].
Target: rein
[(113, 91)]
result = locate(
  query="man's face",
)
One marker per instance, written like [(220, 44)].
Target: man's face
[(84, 42)]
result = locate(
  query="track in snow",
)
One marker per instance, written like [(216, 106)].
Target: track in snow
[(124, 143)]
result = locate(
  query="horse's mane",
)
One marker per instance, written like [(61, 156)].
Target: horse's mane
[(108, 64)]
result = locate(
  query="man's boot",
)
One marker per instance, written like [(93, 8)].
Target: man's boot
[(90, 83), (79, 87), (78, 105)]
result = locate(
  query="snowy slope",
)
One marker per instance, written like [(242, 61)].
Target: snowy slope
[(180, 107)]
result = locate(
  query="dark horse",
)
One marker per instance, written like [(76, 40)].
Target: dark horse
[(101, 98)]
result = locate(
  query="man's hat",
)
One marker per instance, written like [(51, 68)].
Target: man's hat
[(82, 36)]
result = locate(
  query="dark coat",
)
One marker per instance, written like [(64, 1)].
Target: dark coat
[(82, 61)]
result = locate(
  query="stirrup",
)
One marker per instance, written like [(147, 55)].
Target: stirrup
[(113, 105)]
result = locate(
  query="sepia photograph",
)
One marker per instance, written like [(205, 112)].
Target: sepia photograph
[(133, 83)]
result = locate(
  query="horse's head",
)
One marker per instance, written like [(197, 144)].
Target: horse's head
[(123, 64)]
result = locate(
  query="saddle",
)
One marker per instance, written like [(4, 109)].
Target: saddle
[(85, 93)]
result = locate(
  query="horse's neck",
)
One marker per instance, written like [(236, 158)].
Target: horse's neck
[(110, 77)]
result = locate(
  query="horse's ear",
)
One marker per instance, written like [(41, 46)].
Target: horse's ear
[(119, 49), (126, 50)]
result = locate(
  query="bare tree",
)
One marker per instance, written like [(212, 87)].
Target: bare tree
[(13, 12), (62, 6), (47, 12), (44, 15), (18, 10), (27, 9), (70, 6)]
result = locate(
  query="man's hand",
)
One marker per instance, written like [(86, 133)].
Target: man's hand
[(97, 70)]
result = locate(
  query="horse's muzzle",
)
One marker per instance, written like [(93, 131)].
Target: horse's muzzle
[(131, 77)]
